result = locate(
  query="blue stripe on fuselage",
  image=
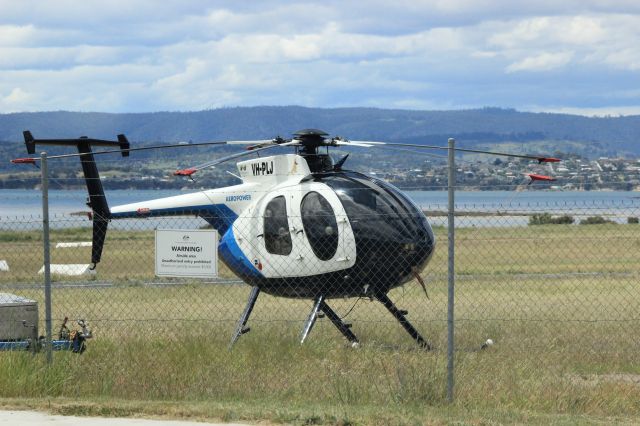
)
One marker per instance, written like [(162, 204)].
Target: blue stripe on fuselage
[(235, 259), (219, 216)]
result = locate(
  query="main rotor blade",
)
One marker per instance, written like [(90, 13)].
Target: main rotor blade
[(144, 148), (353, 143), (256, 142), (540, 159), (192, 170)]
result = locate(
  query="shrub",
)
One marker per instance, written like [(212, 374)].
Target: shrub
[(595, 220), (547, 219), (633, 220)]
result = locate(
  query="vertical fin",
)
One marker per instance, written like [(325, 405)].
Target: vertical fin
[(124, 145), (97, 200), (29, 142)]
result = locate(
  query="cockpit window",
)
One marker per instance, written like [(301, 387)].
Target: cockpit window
[(277, 237), (375, 208), (320, 226)]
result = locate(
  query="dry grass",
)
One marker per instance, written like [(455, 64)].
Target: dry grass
[(561, 303)]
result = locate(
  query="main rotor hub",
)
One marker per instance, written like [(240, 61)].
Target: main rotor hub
[(310, 140), (310, 133)]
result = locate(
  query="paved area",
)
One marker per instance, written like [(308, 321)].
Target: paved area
[(36, 418)]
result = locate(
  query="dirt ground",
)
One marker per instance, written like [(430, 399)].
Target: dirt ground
[(36, 418)]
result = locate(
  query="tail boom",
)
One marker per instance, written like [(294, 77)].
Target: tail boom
[(219, 216)]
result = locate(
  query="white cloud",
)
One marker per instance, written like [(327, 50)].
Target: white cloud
[(16, 100), (188, 54), (541, 62), (16, 35), (628, 58), (602, 40)]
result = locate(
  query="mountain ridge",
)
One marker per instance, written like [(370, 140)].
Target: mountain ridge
[(484, 126)]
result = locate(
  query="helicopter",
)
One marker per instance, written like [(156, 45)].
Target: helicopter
[(298, 226)]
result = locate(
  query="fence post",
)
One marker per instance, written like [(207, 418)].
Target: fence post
[(451, 270), (47, 255)]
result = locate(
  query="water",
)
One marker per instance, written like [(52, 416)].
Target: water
[(525, 198), (26, 202), (22, 209), (18, 204), (512, 208)]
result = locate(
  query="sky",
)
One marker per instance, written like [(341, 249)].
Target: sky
[(573, 56)]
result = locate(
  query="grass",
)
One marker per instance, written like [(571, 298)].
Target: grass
[(315, 413), (314, 384), (561, 303), (128, 255)]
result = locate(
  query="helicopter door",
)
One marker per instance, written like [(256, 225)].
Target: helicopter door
[(303, 233), (323, 240), (275, 248), (277, 236), (320, 225)]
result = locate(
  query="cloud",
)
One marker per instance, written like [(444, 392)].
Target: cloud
[(626, 58), (541, 62), (16, 97), (190, 54)]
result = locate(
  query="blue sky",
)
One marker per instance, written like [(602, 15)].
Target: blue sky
[(576, 56)]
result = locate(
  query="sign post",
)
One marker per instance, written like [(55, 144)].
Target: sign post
[(47, 257), (451, 271)]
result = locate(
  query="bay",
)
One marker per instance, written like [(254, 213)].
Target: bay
[(18, 204)]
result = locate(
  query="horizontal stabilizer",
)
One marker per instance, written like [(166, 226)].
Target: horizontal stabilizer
[(31, 142)]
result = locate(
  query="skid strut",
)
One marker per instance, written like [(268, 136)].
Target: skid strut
[(242, 322), (311, 319), (402, 319), (321, 306), (340, 325)]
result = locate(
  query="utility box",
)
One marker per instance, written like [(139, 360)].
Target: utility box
[(18, 317)]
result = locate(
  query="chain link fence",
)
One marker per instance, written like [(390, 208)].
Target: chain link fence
[(547, 295)]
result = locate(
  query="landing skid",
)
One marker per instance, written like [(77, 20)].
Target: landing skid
[(321, 306), (242, 322), (402, 319)]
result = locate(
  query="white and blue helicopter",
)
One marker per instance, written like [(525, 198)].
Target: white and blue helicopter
[(298, 226)]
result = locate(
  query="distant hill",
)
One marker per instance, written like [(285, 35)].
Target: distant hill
[(487, 126)]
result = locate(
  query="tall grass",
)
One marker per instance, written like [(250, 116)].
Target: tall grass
[(279, 371), (561, 305)]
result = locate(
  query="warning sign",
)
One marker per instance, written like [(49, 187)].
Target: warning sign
[(186, 253)]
